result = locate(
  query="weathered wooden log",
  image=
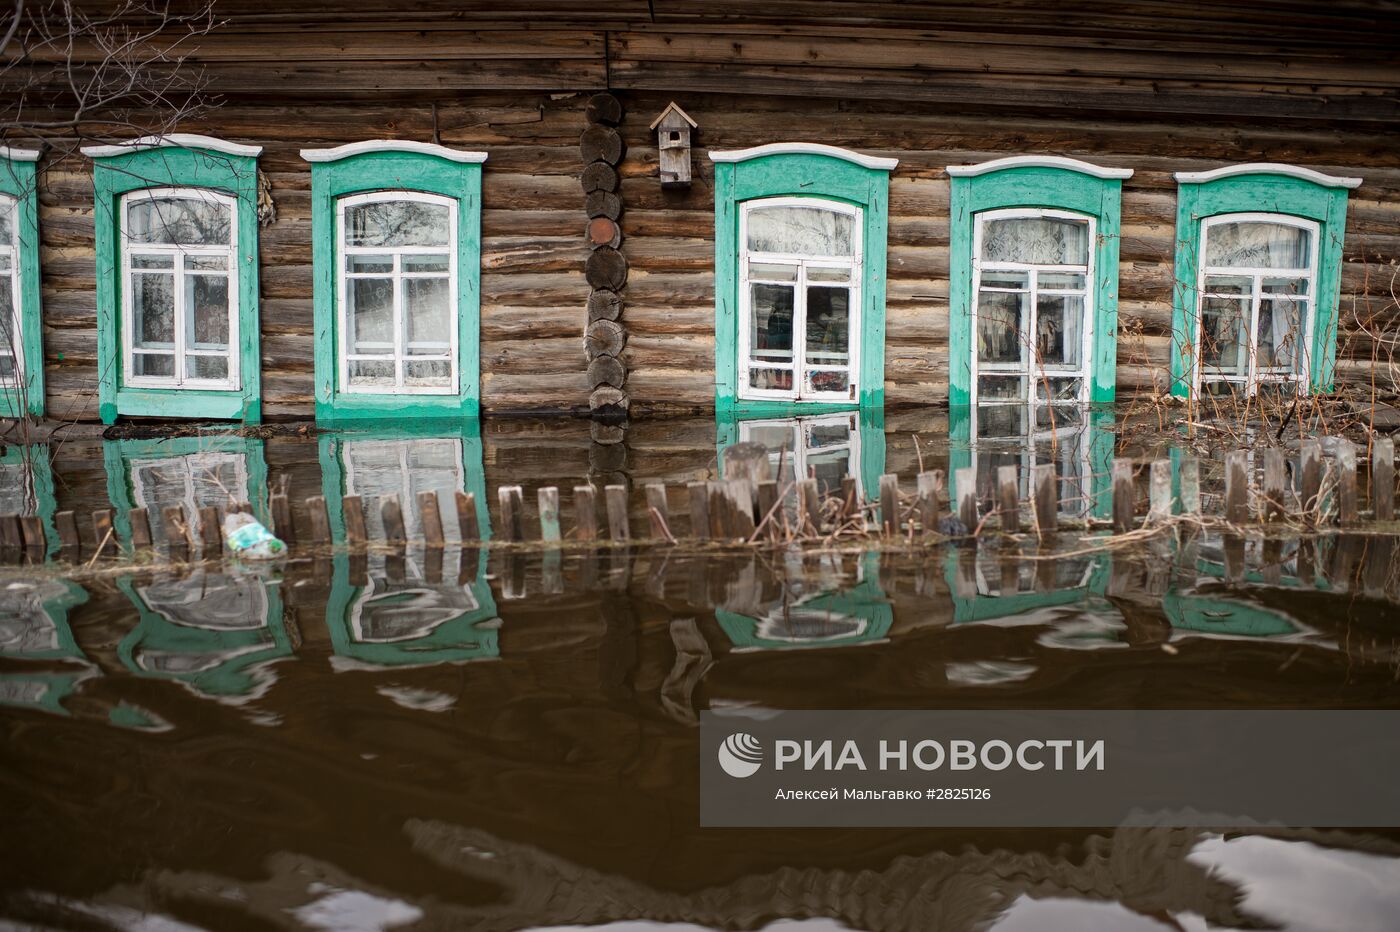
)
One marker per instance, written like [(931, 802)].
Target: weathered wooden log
[(31, 533), (603, 108), (599, 176), (605, 268), (70, 544), (352, 507), (1188, 483), (619, 528), (1009, 498), (604, 305), (432, 565), (467, 525), (585, 513), (282, 524), (1383, 478), (927, 492), (889, 504), (10, 538), (430, 518), (600, 143), (699, 497), (1237, 487), (1159, 491), (606, 204), (319, 520), (741, 495), (1045, 497), (1275, 487), (965, 479), (1347, 500), (767, 503), (391, 513), (548, 498), (850, 495), (809, 495), (177, 532), (604, 338), (658, 513), (608, 400), (607, 434), (1310, 477), (140, 522), (601, 231), (607, 370), (211, 536), (104, 533), (1124, 496), (512, 512), (608, 458)]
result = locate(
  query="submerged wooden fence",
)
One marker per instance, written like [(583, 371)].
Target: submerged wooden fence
[(748, 508)]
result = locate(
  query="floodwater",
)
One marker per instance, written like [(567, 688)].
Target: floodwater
[(508, 739)]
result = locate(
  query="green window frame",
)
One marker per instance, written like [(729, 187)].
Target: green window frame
[(1260, 191), (186, 162), (790, 171), (23, 391), (415, 169), (1031, 184)]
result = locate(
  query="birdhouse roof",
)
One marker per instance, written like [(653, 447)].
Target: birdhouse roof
[(670, 109)]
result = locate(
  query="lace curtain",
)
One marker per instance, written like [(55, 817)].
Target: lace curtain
[(1257, 245), (801, 231), (1036, 241)]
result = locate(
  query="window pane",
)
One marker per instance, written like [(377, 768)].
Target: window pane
[(827, 381), (159, 261), (371, 315), (369, 265), (428, 373), (372, 373), (995, 278), (206, 303), (1001, 421), (801, 231), (180, 221), (422, 264), (770, 319), (1257, 245), (153, 310), (1284, 286), (828, 325), (819, 274), (771, 379), (829, 469), (1036, 240), (9, 345), (1229, 284), (1058, 389), (773, 271), (1224, 343), (152, 365), (427, 315), (1000, 388), (999, 326), (207, 367), (1280, 333), (1057, 281), (207, 263), (7, 220), (398, 223), (1059, 327)]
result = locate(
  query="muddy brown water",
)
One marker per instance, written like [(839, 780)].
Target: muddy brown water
[(509, 740)]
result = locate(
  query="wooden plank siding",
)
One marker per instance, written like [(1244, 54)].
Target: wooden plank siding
[(1152, 86)]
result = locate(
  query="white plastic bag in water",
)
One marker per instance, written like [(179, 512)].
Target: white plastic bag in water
[(245, 536)]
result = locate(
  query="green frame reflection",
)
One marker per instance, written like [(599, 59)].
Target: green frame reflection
[(56, 598), (470, 636), (865, 600), (34, 460)]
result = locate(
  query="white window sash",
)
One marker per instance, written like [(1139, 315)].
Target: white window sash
[(1255, 375), (799, 364), (178, 273), (10, 250), (1033, 370), (397, 352)]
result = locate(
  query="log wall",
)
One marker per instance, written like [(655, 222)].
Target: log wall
[(1149, 86)]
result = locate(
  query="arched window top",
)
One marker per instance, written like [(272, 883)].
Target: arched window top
[(1038, 161), (400, 146), (1267, 168), (173, 141), (1034, 236), (1276, 242), (398, 219), (805, 148), (179, 217), (799, 226)]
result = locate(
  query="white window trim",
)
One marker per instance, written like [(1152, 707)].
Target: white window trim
[(399, 355), (1252, 379), (800, 429), (804, 148), (1038, 161), (16, 311), (1034, 373), (178, 252), (799, 312)]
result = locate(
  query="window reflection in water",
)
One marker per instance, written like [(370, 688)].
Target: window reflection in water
[(825, 447), (1025, 436), (190, 482)]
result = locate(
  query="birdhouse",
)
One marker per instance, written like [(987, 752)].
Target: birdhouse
[(673, 128)]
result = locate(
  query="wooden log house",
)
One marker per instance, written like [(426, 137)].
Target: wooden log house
[(456, 208)]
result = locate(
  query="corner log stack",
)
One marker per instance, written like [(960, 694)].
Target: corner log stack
[(605, 269)]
